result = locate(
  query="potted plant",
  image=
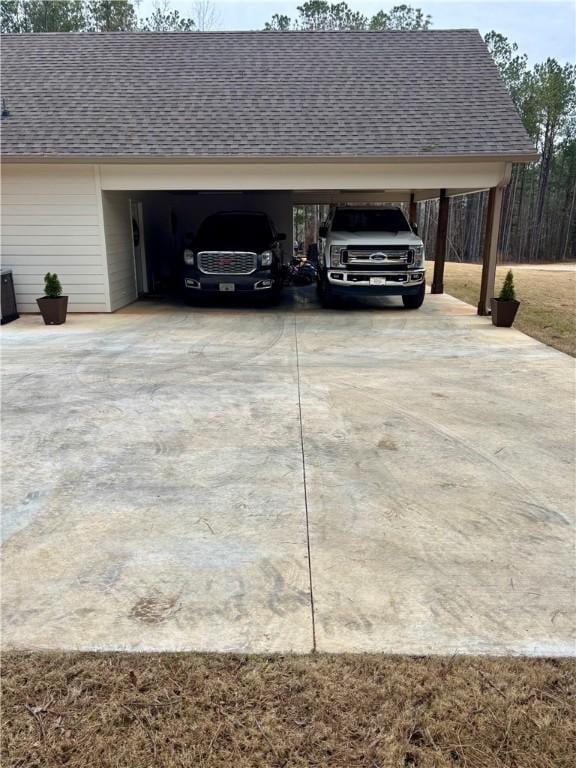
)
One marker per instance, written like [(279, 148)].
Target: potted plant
[(53, 305), (504, 308)]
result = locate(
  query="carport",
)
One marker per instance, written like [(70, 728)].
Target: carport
[(279, 118), (186, 192)]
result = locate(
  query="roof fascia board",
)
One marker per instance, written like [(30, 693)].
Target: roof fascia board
[(167, 160)]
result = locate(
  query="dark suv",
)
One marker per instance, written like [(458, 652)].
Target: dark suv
[(235, 251)]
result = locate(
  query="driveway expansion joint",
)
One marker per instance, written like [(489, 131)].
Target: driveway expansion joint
[(312, 612)]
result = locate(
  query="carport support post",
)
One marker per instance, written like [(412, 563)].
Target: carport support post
[(413, 213), (441, 238), (490, 254)]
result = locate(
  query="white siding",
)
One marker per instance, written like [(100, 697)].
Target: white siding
[(118, 233), (51, 222)]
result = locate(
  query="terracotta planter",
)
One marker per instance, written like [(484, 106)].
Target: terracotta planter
[(504, 312), (53, 310)]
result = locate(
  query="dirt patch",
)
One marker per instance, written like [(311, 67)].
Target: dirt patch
[(154, 609), (547, 299), (213, 711), (387, 444)]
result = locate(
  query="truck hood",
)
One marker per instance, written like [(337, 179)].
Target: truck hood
[(373, 238)]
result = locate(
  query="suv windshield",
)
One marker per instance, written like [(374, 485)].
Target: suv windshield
[(235, 232), (369, 220)]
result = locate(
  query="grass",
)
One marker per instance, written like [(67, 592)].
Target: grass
[(547, 300), (208, 711)]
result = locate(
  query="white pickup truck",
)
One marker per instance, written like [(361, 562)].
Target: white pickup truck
[(370, 252)]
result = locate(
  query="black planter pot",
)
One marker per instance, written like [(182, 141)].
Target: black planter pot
[(53, 310), (504, 312)]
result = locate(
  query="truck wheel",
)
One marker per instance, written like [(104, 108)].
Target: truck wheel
[(329, 301), (416, 300), (326, 296)]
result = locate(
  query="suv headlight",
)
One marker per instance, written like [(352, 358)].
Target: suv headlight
[(266, 258), (335, 251), (418, 251), (188, 257)]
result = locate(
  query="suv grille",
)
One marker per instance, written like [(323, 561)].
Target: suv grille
[(227, 262), (374, 255)]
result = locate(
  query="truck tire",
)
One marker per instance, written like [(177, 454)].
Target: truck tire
[(416, 300), (326, 296)]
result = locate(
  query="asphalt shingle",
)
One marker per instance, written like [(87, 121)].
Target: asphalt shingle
[(256, 94)]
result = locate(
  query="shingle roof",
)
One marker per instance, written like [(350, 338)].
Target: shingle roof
[(267, 94)]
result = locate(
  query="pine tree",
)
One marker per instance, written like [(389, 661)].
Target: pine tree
[(507, 292), (111, 16)]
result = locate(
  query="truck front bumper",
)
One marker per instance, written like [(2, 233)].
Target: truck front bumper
[(349, 283)]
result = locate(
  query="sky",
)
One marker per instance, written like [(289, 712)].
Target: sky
[(542, 28)]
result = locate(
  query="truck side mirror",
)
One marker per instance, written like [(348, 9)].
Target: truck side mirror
[(323, 231), (415, 228), (280, 236)]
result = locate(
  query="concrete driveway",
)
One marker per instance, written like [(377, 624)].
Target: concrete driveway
[(371, 479)]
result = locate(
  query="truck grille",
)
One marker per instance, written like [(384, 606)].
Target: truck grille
[(227, 262), (378, 256)]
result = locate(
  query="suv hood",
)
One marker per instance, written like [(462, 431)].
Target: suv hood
[(225, 242), (375, 238)]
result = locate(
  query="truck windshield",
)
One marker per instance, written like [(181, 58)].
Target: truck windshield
[(235, 231), (369, 220)]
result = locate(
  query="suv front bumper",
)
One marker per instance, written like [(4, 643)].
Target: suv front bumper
[(401, 283), (255, 282)]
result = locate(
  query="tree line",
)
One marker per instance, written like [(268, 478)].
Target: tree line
[(318, 15), (538, 221), (19, 16), (122, 16), (539, 207)]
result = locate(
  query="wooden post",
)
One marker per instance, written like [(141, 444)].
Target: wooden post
[(441, 238), (413, 215), (490, 253)]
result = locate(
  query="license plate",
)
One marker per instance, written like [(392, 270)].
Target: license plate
[(227, 286), (377, 281)]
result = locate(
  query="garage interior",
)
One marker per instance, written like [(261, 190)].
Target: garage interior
[(162, 219)]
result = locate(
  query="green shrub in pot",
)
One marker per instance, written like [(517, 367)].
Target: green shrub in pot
[(505, 306), (53, 305)]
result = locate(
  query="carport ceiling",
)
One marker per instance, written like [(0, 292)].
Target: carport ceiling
[(342, 196)]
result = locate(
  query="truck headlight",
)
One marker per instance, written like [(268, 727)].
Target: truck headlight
[(266, 258), (188, 257), (418, 251), (335, 255)]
